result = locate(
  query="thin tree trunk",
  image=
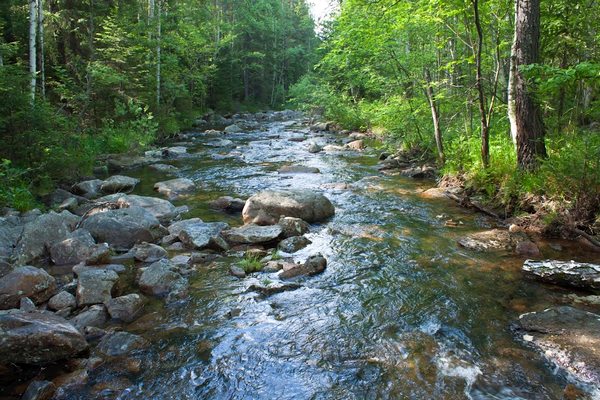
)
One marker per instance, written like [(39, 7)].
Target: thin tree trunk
[(435, 117), (528, 126), (485, 136), (32, 47), (41, 36), (158, 56)]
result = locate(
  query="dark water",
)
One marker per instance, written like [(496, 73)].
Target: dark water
[(401, 311)]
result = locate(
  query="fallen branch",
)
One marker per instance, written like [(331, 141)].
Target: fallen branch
[(587, 236), (468, 203)]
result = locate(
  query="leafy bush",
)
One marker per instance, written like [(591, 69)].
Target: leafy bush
[(250, 264), (14, 191)]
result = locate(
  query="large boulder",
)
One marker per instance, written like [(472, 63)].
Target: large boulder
[(41, 233), (77, 247), (88, 189), (118, 184), (94, 286), (148, 252), (162, 209), (253, 234), (121, 343), (232, 129), (500, 240), (94, 316), (26, 281), (568, 338), (161, 279), (228, 204), (270, 205), (570, 273), (201, 235), (38, 338), (126, 308), (123, 228), (175, 188), (314, 265), (10, 232)]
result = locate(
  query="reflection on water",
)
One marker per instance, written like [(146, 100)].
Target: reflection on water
[(400, 312)]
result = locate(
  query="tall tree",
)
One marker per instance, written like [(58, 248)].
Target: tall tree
[(527, 127), (33, 5)]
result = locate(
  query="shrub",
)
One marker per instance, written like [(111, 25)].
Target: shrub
[(250, 264)]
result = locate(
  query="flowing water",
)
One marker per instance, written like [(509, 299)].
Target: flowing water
[(400, 312)]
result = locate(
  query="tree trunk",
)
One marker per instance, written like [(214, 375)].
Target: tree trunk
[(158, 55), (485, 136), (42, 58), (527, 127), (32, 47), (435, 117)]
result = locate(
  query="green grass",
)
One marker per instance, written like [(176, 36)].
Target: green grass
[(251, 264)]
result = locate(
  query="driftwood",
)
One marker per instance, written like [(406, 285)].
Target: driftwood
[(468, 203), (585, 235), (101, 207), (566, 273)]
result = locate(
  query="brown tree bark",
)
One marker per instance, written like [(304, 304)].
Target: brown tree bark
[(485, 130), (526, 119)]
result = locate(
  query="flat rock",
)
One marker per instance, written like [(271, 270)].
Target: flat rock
[(565, 273), (94, 286), (123, 228), (293, 244), (568, 338), (175, 188), (121, 343), (270, 205), (202, 235), (232, 129), (148, 252), (165, 168), (162, 278), (26, 281), (126, 308), (228, 204), (314, 265), (253, 234), (298, 169), (498, 240), (161, 209), (38, 338), (118, 184), (236, 271)]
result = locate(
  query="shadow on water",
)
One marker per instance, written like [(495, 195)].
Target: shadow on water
[(400, 312)]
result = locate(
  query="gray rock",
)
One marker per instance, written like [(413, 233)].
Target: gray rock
[(121, 343), (94, 286), (175, 188), (162, 278), (123, 228), (126, 308), (293, 244), (10, 232), (77, 247), (62, 300), (202, 235), (80, 268), (423, 172), (41, 233), (119, 184), (298, 169), (314, 265), (88, 189), (95, 316), (39, 390), (148, 252), (70, 204), (305, 204), (232, 129), (571, 273), (314, 148), (228, 204), (568, 338), (165, 168), (293, 226), (253, 234), (161, 209), (320, 127), (26, 304), (26, 281), (38, 338), (236, 271), (100, 254), (176, 227), (495, 239)]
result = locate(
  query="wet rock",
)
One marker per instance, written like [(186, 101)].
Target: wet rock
[(95, 316), (164, 168), (314, 265), (332, 148), (181, 261), (298, 169), (148, 252), (219, 143), (26, 281), (118, 184), (126, 308), (202, 258), (123, 228), (228, 204), (70, 383), (357, 136), (121, 343), (94, 286), (62, 300), (70, 204), (305, 204), (162, 278), (77, 247), (321, 127), (273, 288), (422, 172), (100, 254), (38, 338), (39, 390), (236, 271), (232, 129), (80, 268), (434, 193), (358, 145), (293, 244), (253, 234), (41, 233), (10, 232), (314, 148), (570, 273), (567, 337), (88, 189), (111, 389), (202, 235), (527, 248), (495, 239), (26, 304), (175, 188), (176, 227), (174, 152), (161, 209)]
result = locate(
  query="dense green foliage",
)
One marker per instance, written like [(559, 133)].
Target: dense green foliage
[(116, 76), (379, 57)]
